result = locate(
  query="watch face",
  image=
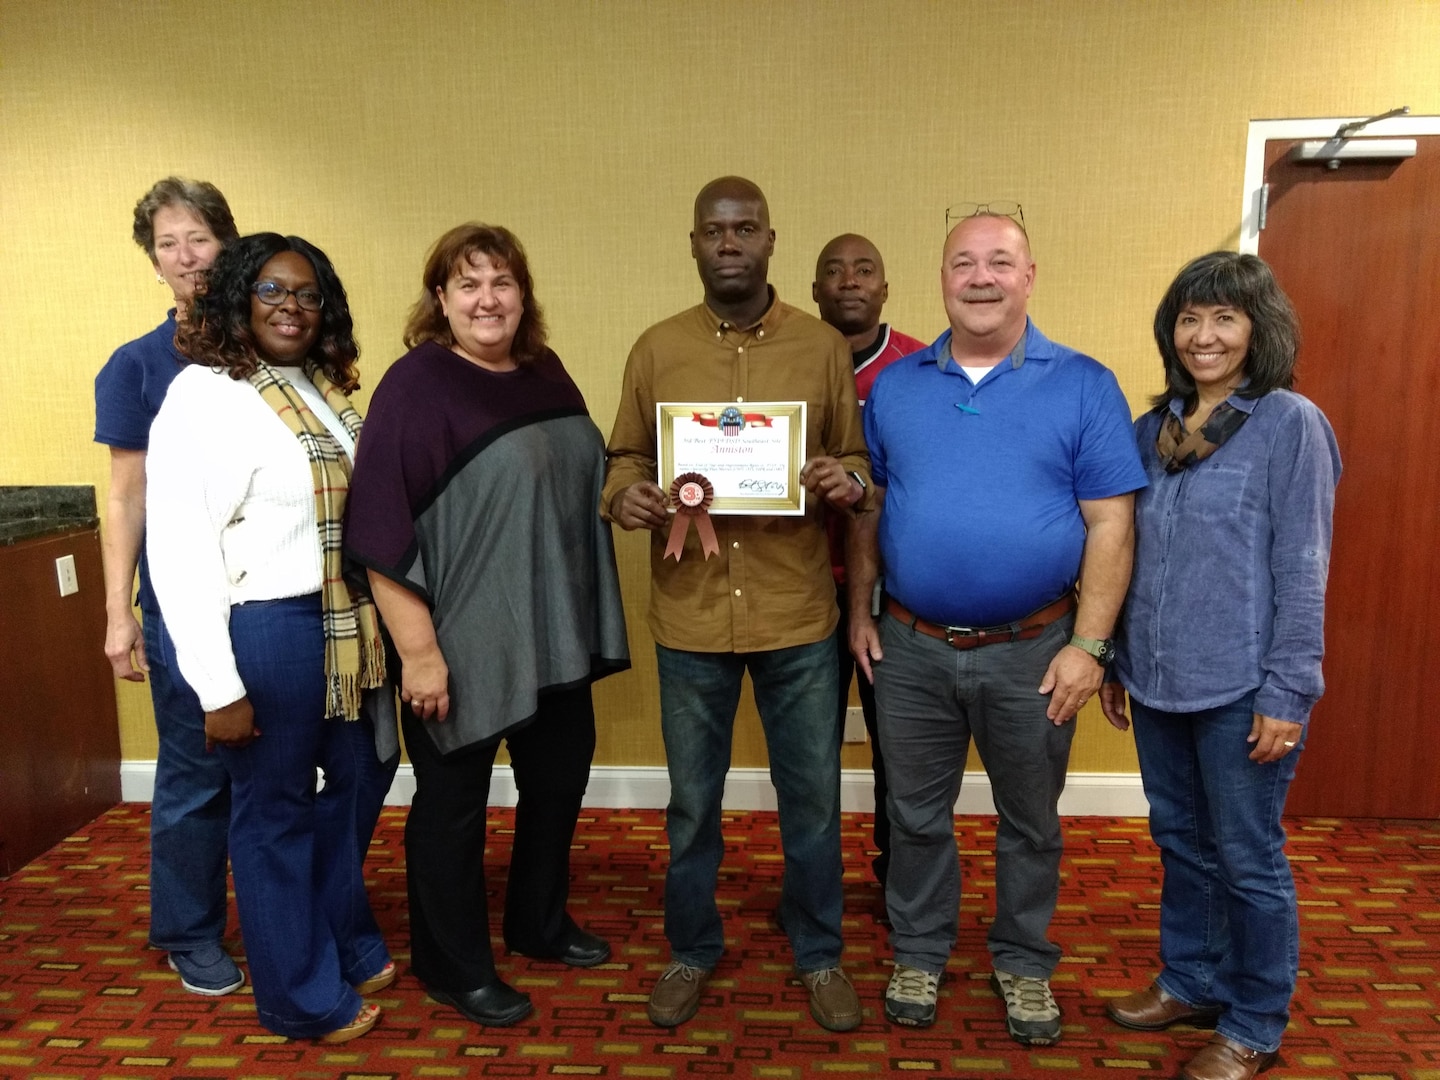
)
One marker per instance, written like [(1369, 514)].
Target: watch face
[(1107, 652)]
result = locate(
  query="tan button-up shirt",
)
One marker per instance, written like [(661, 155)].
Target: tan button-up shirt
[(770, 587)]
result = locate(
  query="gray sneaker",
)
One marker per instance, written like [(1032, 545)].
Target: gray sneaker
[(1031, 1014), (910, 997)]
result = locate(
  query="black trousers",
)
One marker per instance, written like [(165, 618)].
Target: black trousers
[(445, 842), (848, 669)]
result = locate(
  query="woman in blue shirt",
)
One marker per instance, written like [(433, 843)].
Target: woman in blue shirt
[(1220, 648), (181, 225)]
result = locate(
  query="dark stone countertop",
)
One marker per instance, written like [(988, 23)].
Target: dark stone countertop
[(30, 512)]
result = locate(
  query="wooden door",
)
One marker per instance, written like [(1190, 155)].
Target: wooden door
[(1358, 251)]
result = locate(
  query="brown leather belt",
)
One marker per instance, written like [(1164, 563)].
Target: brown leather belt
[(972, 637)]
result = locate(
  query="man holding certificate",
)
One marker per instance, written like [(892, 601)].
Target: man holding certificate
[(728, 411)]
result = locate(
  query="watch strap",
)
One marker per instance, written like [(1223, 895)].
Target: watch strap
[(1102, 649)]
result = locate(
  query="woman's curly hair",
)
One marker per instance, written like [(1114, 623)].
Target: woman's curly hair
[(216, 330)]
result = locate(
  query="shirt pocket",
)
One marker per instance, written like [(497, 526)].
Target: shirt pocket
[(1219, 491), (1220, 537)]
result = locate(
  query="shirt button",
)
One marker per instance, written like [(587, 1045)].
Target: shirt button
[(736, 544), (737, 592), (739, 400), (236, 579), (741, 349)]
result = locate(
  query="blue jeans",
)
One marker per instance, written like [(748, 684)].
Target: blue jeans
[(298, 854), (933, 699), (189, 812), (795, 692), (1229, 929)]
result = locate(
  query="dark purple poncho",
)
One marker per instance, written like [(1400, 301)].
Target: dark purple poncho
[(479, 491)]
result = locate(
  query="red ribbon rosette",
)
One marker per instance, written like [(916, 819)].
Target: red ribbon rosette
[(691, 495)]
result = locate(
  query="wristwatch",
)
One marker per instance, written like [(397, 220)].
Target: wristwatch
[(860, 482), (1102, 649)]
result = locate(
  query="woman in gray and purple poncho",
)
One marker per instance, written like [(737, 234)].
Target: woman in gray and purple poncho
[(473, 510)]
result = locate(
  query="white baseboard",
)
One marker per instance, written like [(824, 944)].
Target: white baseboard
[(648, 788)]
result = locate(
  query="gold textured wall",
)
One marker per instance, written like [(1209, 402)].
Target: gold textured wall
[(370, 126)]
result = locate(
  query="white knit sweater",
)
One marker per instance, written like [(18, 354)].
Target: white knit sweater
[(230, 516)]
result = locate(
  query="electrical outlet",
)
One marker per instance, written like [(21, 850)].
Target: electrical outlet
[(65, 572), (854, 724)]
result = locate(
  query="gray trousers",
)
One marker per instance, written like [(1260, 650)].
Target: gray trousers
[(932, 699)]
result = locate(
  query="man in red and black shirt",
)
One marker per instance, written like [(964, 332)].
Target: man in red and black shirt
[(850, 290)]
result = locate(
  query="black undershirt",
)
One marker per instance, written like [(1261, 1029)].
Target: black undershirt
[(868, 353)]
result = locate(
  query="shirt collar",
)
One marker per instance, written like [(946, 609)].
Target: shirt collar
[(882, 338), (1032, 344), (1235, 401), (760, 329)]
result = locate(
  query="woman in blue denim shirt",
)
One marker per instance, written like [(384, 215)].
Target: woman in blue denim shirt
[(1220, 648)]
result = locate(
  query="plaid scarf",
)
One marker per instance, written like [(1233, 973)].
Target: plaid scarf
[(1179, 449), (354, 654)]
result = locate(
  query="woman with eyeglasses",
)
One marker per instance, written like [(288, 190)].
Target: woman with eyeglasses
[(1219, 647), (474, 510), (248, 474), (180, 225)]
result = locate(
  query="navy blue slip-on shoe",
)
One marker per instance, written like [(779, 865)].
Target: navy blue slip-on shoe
[(207, 970)]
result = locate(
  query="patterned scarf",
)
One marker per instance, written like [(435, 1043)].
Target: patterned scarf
[(1180, 449), (354, 654)]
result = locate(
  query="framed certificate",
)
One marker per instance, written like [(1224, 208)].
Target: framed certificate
[(750, 452)]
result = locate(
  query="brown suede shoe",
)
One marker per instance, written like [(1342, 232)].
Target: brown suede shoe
[(1152, 1009), (675, 997), (1224, 1059), (833, 1001)]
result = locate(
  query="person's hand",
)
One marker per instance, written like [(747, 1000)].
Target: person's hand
[(640, 506), (125, 648), (826, 478), (1071, 679), (425, 684), (231, 725), (1273, 738), (1112, 704), (865, 644)]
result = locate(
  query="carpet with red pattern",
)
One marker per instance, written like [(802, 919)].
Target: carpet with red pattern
[(82, 997)]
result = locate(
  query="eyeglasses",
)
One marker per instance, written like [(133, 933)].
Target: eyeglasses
[(274, 294), (1003, 207)]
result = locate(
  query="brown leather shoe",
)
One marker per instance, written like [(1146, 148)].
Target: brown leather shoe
[(675, 997), (833, 1001), (1152, 1009), (1225, 1059)]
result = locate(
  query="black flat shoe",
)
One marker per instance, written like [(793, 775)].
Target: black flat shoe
[(496, 1005), (581, 950)]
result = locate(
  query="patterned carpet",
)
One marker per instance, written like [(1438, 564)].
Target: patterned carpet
[(81, 996)]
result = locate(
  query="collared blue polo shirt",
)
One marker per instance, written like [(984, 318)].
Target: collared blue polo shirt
[(982, 522)]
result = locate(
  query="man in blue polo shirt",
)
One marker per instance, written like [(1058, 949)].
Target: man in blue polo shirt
[(1006, 468)]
